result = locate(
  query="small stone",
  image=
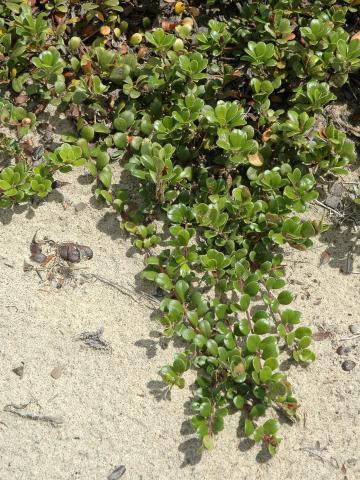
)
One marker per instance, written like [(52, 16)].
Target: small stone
[(19, 371), (117, 473), (337, 189), (56, 372), (348, 365), (343, 350), (332, 201), (354, 329), (79, 207)]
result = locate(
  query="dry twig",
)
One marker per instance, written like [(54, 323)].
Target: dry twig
[(16, 409)]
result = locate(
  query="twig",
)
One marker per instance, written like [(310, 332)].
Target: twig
[(348, 262), (313, 452), (32, 416), (353, 337), (329, 208)]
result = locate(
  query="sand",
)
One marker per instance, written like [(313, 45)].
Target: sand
[(111, 401)]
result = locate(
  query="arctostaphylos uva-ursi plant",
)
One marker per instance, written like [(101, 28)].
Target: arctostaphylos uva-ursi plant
[(218, 122)]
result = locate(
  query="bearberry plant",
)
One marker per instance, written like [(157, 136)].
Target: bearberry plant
[(213, 107)]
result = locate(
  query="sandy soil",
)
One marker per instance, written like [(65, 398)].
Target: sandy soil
[(111, 402)]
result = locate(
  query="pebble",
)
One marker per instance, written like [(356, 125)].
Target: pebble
[(348, 365), (337, 189), (332, 201), (79, 207), (56, 372), (19, 371), (355, 329), (117, 473), (343, 350)]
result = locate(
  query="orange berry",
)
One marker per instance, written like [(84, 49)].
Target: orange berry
[(105, 30), (179, 8)]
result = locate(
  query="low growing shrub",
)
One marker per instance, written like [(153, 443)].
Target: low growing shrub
[(218, 121)]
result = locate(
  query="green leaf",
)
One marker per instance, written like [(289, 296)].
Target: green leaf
[(164, 282), (218, 423), (253, 343), (251, 288), (205, 328), (239, 401), (188, 334), (262, 326), (229, 341), (265, 374), (303, 332), (249, 427), (257, 410), (179, 365), (285, 297), (200, 341), (290, 316), (208, 442), (4, 185), (244, 302), (105, 176), (212, 347), (205, 409), (307, 355), (271, 426), (181, 288)]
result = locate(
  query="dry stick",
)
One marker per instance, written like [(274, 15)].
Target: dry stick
[(348, 261), (329, 208), (32, 416), (353, 337)]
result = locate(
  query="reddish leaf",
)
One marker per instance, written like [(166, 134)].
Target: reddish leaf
[(59, 18), (266, 135), (167, 25), (87, 67), (325, 257)]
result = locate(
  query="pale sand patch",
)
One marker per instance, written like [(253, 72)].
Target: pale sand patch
[(111, 415)]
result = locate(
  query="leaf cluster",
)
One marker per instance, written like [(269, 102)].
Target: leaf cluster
[(219, 127)]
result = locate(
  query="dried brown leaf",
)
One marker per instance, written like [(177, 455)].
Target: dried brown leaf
[(266, 135), (256, 160), (325, 257), (168, 26)]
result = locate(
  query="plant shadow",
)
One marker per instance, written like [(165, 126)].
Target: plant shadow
[(191, 448), (343, 248), (6, 214), (159, 390)]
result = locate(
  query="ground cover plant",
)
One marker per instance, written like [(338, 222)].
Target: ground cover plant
[(214, 108)]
